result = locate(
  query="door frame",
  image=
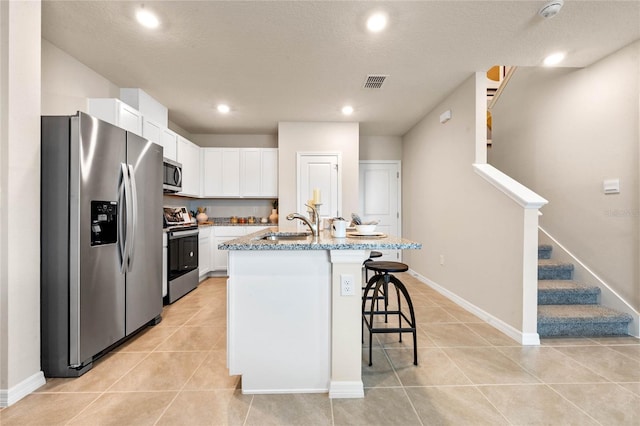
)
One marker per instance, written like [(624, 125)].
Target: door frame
[(301, 154)]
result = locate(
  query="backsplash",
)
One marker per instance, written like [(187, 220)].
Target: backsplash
[(224, 207)]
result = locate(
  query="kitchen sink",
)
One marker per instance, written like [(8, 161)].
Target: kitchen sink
[(285, 236)]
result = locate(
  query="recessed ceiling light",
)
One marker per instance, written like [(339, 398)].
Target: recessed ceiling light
[(223, 109), (147, 18), (377, 22), (554, 59), (347, 110)]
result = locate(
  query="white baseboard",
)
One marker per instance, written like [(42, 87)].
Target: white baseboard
[(22, 389), (354, 389), (525, 339)]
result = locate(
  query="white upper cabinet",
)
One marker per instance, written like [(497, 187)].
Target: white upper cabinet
[(116, 112), (240, 172), (169, 140), (189, 157), (151, 131)]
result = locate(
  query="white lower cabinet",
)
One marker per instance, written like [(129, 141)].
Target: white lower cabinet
[(204, 251), (221, 234)]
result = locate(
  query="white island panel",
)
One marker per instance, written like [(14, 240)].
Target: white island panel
[(279, 320)]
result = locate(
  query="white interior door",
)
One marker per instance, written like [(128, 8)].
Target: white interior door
[(319, 171), (380, 192)]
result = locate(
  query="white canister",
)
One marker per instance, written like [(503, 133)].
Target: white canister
[(339, 228)]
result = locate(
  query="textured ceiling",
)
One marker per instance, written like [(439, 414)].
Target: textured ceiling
[(302, 60)]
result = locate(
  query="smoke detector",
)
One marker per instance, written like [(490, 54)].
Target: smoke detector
[(551, 9)]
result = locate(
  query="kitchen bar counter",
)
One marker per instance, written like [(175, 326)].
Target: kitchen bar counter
[(294, 319), (324, 241)]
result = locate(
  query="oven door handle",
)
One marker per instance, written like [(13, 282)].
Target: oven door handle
[(181, 234)]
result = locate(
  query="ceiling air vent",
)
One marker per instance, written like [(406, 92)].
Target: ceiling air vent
[(374, 81)]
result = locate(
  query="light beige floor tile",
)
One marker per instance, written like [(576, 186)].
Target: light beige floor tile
[(161, 371), (295, 409), (462, 314), (632, 387), (550, 365), (605, 362), (175, 316), (454, 406), (214, 407), (617, 340), (491, 335), (567, 341), (127, 408), (380, 406), (434, 368), (535, 405), (426, 315), (488, 366), (607, 403), (193, 339), (380, 374), (632, 352), (453, 335), (46, 409), (391, 340), (104, 373), (148, 339), (213, 374)]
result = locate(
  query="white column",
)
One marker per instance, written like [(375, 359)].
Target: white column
[(20, 48), (346, 326)]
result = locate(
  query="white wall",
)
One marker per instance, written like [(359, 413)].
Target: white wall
[(67, 83), (233, 141), (317, 137), (380, 148), (19, 200), (562, 132), (456, 214)]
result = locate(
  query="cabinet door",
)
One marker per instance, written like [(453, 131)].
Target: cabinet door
[(151, 131), (269, 178), (250, 172), (204, 251), (189, 156), (129, 118), (169, 140), (212, 172), (221, 234), (230, 172)]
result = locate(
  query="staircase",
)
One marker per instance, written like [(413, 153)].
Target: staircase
[(569, 308)]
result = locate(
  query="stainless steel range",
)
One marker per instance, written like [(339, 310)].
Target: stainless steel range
[(182, 253)]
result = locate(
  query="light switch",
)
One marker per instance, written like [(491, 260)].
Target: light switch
[(611, 186)]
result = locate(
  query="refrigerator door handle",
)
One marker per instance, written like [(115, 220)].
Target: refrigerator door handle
[(122, 236), (132, 215)]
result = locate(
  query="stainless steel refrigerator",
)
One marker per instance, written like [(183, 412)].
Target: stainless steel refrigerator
[(101, 248)]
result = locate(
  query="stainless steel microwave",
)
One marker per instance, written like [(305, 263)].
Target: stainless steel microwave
[(172, 176)]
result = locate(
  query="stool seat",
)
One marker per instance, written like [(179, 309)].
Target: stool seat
[(383, 266)]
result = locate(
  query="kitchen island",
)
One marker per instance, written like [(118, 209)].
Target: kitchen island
[(292, 326)]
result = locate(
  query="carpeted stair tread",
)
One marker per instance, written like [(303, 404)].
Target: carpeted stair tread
[(544, 251), (595, 313), (553, 270), (581, 320), (566, 292)]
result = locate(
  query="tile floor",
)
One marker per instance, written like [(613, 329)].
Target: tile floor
[(468, 374)]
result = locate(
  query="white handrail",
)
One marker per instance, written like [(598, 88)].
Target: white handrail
[(514, 189)]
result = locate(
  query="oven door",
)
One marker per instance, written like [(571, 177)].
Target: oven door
[(183, 253)]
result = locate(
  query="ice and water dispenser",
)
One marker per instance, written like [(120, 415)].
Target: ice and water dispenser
[(104, 222)]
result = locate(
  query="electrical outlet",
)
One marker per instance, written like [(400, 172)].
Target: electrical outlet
[(347, 287)]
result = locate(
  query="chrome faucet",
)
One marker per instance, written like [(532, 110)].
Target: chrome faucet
[(315, 228)]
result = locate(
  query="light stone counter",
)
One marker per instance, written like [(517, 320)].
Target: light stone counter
[(291, 326), (324, 241)]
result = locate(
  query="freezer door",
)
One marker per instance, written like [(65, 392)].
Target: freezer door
[(97, 287), (144, 276)]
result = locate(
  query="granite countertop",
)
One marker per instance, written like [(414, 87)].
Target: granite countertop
[(324, 242)]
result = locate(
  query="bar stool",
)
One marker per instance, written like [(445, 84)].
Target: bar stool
[(373, 255), (381, 280)]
